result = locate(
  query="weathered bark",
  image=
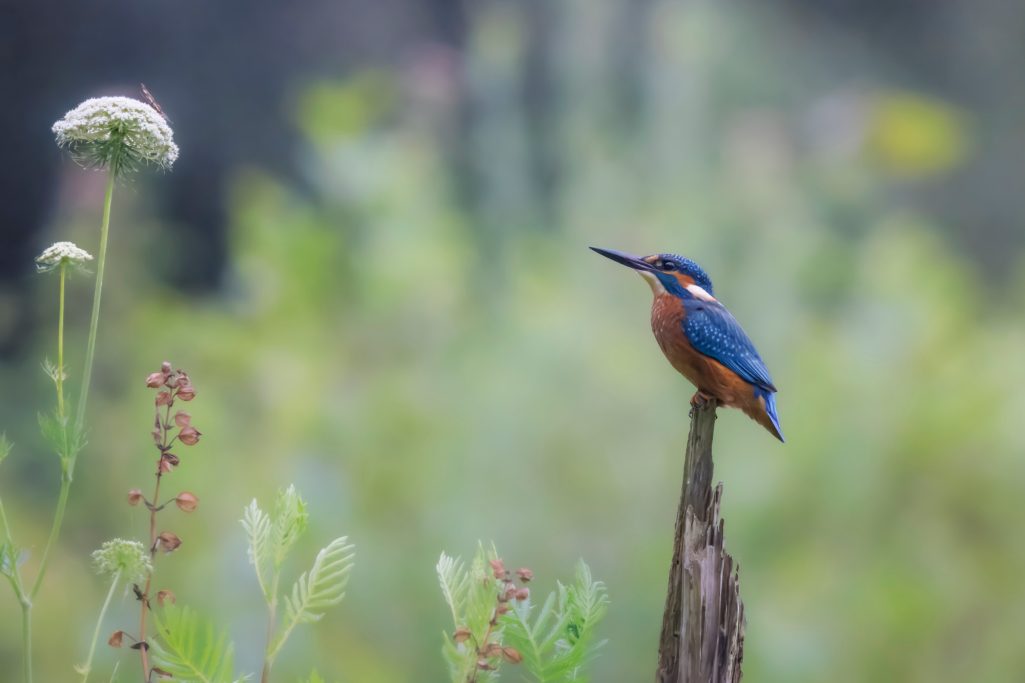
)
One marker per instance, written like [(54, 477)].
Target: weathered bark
[(703, 624)]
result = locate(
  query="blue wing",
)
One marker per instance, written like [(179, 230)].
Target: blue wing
[(714, 332)]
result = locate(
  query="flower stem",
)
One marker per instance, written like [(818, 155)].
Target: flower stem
[(26, 639), (58, 520), (94, 320), (99, 624), (60, 349)]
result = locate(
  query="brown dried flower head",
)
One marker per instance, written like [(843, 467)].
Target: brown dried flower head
[(116, 639), (168, 541), (498, 567), (511, 655), (186, 502), (189, 436), (135, 497), (186, 392), (182, 419), (156, 380), (524, 574), (461, 635), (166, 596)]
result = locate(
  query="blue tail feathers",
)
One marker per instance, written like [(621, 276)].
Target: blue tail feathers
[(770, 410)]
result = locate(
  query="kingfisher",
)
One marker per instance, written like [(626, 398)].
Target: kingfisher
[(701, 338)]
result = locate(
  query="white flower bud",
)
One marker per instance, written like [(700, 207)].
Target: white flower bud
[(119, 133)]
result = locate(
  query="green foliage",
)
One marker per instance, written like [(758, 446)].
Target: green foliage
[(270, 538), (257, 524), (289, 523), (313, 678), (61, 436), (323, 585), (191, 649), (559, 640), (470, 595), (554, 645)]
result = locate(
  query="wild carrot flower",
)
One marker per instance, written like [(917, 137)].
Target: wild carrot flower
[(62, 253), (119, 133), (129, 558)]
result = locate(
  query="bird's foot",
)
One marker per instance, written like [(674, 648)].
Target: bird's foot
[(698, 400)]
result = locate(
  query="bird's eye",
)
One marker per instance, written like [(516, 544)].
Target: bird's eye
[(668, 265)]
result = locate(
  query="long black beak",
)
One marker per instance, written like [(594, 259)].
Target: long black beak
[(635, 262)]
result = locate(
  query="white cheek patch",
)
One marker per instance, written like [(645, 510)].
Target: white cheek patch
[(653, 282), (698, 292)]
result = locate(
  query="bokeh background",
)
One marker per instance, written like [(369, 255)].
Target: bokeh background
[(372, 259)]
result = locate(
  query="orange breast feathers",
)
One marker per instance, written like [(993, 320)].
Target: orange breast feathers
[(707, 374)]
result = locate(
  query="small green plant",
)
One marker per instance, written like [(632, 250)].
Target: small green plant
[(118, 135), (494, 624), (271, 537)]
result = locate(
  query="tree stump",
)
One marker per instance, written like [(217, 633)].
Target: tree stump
[(703, 624)]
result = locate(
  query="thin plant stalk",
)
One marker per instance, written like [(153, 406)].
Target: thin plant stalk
[(59, 379), (154, 508), (99, 624), (94, 320), (270, 653)]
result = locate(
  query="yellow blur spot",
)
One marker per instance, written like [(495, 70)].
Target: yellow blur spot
[(912, 135)]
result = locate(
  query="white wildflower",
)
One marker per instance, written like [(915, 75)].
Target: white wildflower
[(66, 253), (119, 133), (128, 557)]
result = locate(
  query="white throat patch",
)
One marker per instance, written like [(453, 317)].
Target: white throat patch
[(656, 285)]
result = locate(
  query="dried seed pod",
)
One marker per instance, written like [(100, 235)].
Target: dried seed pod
[(186, 502), (182, 419), (461, 635), (163, 399), (511, 655), (166, 596), (524, 574), (189, 436), (135, 497), (155, 380), (168, 541), (522, 594), (186, 392), (116, 639), (498, 567)]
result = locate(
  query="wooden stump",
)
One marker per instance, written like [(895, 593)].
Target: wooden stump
[(703, 624)]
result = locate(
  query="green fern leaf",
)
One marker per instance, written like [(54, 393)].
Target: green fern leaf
[(190, 648), (257, 524), (323, 586)]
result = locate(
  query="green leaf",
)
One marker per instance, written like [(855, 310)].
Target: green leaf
[(559, 641), (471, 596), (323, 586), (61, 436), (190, 648), (258, 532), (314, 678), (289, 523)]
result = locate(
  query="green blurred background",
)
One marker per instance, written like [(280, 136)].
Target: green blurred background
[(404, 320)]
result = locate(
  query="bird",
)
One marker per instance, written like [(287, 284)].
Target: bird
[(701, 338)]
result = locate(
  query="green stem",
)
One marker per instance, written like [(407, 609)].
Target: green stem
[(94, 320), (271, 650), (26, 639), (23, 600), (60, 351), (99, 624), (58, 520)]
